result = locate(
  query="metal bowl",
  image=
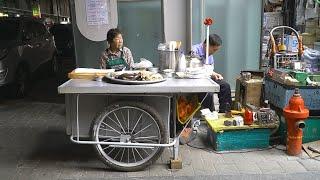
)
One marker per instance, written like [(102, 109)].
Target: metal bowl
[(168, 73), (153, 69)]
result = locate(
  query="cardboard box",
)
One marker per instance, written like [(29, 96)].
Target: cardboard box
[(312, 23), (308, 38), (309, 45), (317, 46), (318, 34), (311, 30), (248, 92)]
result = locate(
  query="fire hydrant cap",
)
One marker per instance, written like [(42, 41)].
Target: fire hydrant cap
[(296, 108)]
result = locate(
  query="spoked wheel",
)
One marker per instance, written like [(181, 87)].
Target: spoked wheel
[(128, 122)]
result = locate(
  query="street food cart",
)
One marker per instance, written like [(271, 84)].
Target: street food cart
[(129, 125)]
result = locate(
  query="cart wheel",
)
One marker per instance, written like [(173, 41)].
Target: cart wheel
[(128, 122)]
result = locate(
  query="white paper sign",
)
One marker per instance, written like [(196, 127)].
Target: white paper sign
[(97, 12)]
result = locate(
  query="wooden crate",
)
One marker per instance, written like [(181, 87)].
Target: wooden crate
[(249, 92), (239, 139), (227, 138)]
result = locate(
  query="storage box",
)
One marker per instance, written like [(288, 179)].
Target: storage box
[(311, 23), (249, 92), (309, 45), (279, 94), (317, 46), (300, 76), (239, 139), (318, 34), (311, 30), (315, 77), (225, 138), (310, 133), (308, 39)]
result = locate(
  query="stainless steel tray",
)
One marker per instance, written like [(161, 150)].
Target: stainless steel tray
[(120, 81)]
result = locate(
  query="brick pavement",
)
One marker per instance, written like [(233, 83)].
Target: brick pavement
[(33, 145)]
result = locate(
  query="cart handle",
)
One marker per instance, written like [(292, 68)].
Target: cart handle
[(273, 42)]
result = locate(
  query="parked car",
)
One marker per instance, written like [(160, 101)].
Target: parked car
[(63, 37), (25, 45)]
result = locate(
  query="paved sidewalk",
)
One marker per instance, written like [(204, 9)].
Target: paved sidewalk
[(33, 145)]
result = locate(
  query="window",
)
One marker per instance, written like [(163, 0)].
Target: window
[(28, 31), (40, 30)]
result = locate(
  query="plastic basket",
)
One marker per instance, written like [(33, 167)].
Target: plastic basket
[(195, 107)]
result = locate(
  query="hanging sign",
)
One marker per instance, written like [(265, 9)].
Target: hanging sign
[(36, 10), (97, 12)]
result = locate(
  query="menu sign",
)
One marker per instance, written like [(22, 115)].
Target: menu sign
[(97, 12)]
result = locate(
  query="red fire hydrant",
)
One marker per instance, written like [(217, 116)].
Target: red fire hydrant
[(295, 114)]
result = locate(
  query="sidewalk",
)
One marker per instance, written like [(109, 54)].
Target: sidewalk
[(33, 145)]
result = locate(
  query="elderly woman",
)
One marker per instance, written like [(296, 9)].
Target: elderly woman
[(116, 56)]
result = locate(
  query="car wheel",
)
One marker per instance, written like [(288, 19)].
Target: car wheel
[(21, 85)]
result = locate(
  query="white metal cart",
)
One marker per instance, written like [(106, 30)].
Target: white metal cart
[(129, 125)]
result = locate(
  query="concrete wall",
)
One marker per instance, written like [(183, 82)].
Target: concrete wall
[(238, 23), (89, 41), (176, 21)]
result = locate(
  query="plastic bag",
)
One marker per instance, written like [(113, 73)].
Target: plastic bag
[(300, 19), (311, 54), (311, 9), (143, 64), (311, 58)]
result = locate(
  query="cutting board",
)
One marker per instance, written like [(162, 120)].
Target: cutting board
[(88, 73)]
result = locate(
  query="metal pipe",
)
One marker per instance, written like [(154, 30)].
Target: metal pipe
[(300, 124), (169, 114), (202, 17), (122, 144), (78, 133), (147, 95), (189, 25)]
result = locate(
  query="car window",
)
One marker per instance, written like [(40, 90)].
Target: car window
[(29, 30), (41, 30), (9, 29), (62, 32)]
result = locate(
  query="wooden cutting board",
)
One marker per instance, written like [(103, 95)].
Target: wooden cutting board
[(88, 73)]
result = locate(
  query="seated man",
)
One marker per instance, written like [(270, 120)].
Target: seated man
[(199, 50)]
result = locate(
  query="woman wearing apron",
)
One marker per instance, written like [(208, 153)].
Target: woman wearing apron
[(116, 56)]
